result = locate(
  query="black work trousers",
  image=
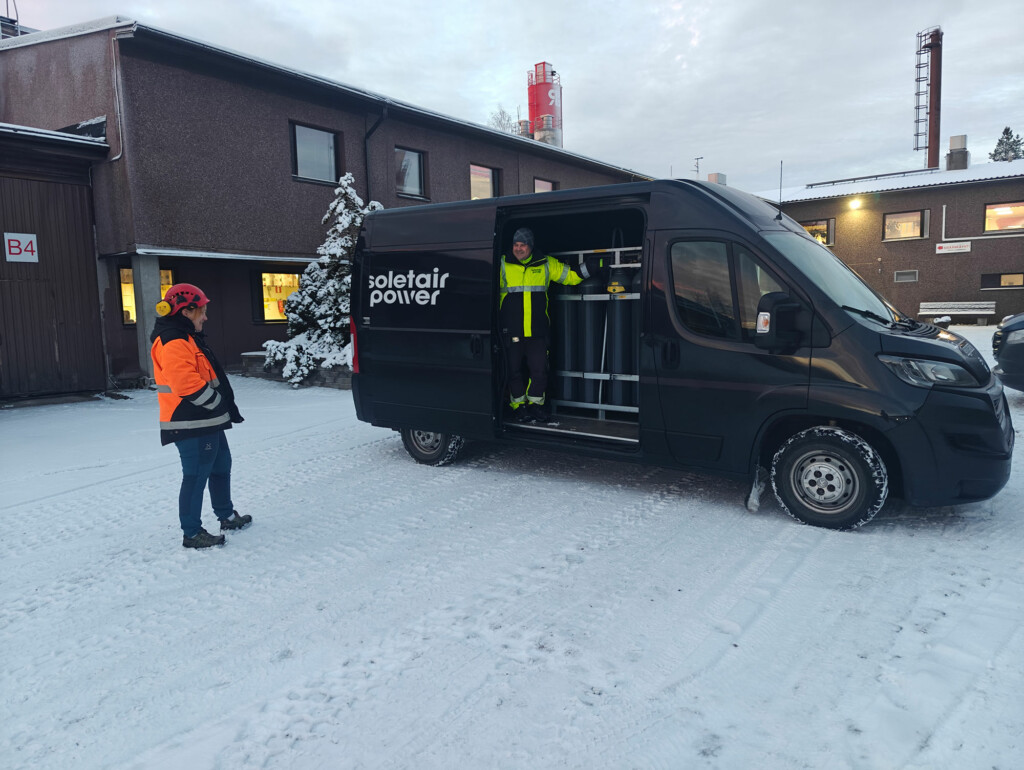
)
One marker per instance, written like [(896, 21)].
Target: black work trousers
[(533, 353)]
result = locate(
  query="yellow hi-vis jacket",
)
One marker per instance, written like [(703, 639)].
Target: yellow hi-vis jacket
[(523, 303)]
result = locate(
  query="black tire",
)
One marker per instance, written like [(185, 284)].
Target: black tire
[(829, 477), (432, 448)]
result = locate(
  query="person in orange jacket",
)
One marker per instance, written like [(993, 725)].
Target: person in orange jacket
[(197, 405)]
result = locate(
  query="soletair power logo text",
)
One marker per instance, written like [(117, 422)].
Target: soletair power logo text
[(410, 288)]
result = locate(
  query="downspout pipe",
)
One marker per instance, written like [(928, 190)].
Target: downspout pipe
[(366, 148)]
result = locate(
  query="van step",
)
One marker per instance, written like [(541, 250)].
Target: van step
[(583, 427)]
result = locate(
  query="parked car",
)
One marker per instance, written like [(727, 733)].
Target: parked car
[(1008, 347)]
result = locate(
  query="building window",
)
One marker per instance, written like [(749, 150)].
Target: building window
[(277, 287), (1002, 280), (483, 182), (1004, 216), (128, 309), (822, 230), (905, 225), (410, 173), (543, 185), (905, 276), (315, 154)]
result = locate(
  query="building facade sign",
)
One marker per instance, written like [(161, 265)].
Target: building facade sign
[(950, 248), (20, 247)]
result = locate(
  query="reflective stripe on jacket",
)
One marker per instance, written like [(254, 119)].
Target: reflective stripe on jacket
[(187, 389), (523, 301)]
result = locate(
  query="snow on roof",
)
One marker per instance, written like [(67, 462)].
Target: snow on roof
[(905, 180), (117, 22), (59, 136)]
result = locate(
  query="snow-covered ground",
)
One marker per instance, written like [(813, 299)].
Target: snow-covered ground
[(515, 610)]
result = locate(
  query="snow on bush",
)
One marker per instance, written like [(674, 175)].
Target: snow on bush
[(318, 312)]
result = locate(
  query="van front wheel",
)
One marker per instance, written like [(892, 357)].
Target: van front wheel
[(432, 448), (829, 477)]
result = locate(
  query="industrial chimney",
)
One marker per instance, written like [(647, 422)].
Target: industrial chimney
[(545, 92), (929, 93)]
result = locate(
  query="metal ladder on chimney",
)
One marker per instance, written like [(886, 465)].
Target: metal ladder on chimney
[(922, 82)]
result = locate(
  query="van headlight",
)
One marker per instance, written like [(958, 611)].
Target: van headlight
[(1015, 337), (923, 373)]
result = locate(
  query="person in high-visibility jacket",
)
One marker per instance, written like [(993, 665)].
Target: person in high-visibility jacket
[(197, 405), (523, 313)]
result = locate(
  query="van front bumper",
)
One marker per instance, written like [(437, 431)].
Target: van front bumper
[(957, 449)]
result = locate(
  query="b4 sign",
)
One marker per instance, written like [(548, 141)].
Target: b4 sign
[(20, 247)]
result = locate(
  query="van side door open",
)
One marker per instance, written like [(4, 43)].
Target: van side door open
[(426, 356), (717, 387)]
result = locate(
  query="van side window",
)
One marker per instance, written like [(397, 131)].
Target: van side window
[(752, 283), (703, 291)]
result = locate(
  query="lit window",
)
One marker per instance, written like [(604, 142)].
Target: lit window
[(409, 176), (314, 154), (822, 230), (542, 185), (905, 276), (1002, 281), (128, 310), (907, 224), (277, 287), (1004, 216), (483, 182)]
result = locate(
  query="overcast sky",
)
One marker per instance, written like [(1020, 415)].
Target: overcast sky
[(826, 86)]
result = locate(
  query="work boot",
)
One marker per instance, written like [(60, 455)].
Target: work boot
[(235, 521), (202, 539)]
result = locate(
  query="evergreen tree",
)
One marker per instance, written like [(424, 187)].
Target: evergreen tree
[(1009, 147), (318, 312)]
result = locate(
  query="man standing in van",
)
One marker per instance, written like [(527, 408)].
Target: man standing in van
[(523, 314)]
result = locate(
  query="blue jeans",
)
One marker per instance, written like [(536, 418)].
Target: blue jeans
[(206, 458)]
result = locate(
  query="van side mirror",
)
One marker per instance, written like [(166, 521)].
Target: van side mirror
[(776, 327)]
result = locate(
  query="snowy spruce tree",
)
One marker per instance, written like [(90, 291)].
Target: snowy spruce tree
[(318, 312), (1009, 147)]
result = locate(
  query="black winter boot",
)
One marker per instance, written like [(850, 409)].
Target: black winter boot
[(202, 539), (235, 521)]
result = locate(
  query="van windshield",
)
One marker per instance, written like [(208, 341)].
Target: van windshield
[(839, 282)]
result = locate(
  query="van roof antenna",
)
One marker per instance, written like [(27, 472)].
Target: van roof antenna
[(779, 215)]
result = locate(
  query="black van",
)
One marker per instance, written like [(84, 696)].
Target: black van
[(722, 338)]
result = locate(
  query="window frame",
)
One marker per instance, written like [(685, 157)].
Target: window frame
[(338, 149), (1000, 276), (495, 180), (896, 273), (258, 308), (924, 221), (830, 229), (424, 194), (985, 227)]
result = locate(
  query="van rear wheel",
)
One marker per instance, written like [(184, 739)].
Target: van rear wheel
[(829, 477), (432, 448)]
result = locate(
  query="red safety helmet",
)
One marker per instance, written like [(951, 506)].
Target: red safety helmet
[(181, 295)]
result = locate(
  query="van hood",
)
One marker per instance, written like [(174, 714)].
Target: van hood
[(930, 342)]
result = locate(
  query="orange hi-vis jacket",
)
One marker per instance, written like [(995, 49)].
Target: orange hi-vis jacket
[(187, 389)]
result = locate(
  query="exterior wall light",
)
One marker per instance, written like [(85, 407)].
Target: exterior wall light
[(855, 203)]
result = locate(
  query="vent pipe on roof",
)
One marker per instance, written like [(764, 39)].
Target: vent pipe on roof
[(958, 156)]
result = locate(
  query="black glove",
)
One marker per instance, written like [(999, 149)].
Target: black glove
[(236, 416), (596, 267)]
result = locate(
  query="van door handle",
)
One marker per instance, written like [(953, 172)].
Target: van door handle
[(476, 345), (670, 355)]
